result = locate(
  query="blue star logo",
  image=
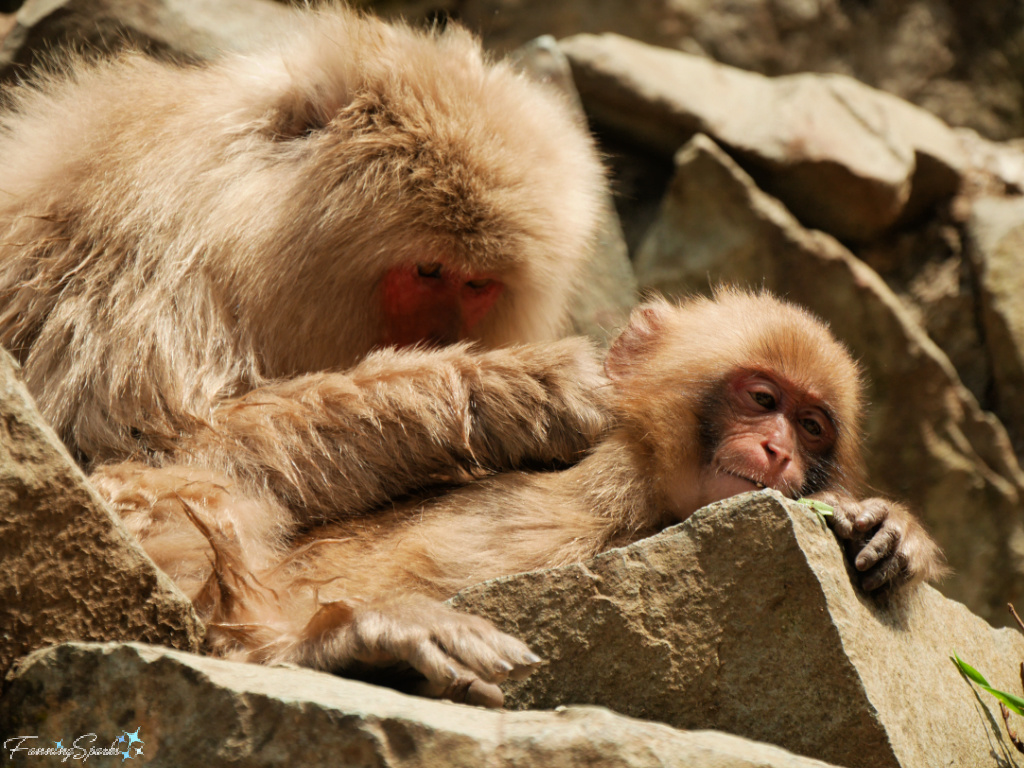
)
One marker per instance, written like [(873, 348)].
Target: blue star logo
[(132, 739), (60, 744)]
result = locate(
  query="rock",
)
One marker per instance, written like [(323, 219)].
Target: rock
[(934, 268), (608, 285), (961, 61), (996, 236), (189, 710), (842, 156), (744, 619), (998, 166), (182, 30), (928, 441), (70, 570), (6, 24), (928, 268)]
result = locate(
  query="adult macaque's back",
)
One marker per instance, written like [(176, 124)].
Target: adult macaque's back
[(192, 260)]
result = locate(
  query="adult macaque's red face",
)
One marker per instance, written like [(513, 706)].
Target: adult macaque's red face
[(435, 304), (770, 434)]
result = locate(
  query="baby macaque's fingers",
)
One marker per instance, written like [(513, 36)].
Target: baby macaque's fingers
[(850, 519), (844, 513), (884, 541), (870, 513), (880, 546), (889, 572)]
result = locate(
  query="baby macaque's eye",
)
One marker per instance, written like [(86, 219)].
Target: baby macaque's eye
[(812, 427), (764, 399), (478, 284)]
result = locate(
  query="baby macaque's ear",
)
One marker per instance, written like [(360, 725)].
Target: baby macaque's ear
[(637, 341)]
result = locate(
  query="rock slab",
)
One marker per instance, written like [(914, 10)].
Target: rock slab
[(744, 619), (189, 710), (996, 245), (842, 156), (179, 30), (70, 570)]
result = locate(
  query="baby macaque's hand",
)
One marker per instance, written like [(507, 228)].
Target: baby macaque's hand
[(884, 541), (463, 657)]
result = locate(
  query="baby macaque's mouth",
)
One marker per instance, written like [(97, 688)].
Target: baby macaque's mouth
[(758, 483)]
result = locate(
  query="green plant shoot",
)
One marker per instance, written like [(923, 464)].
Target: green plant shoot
[(1013, 703), (820, 508)]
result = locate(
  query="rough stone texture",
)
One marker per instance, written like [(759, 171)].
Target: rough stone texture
[(996, 236), (70, 571), (744, 619), (195, 711), (842, 156), (999, 163), (928, 268), (187, 30), (928, 441), (608, 286), (934, 267), (963, 61)]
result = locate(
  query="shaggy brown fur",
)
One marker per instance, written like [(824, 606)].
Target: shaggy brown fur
[(360, 591), (184, 251)]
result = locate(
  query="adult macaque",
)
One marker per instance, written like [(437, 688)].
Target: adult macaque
[(712, 398), (190, 255)]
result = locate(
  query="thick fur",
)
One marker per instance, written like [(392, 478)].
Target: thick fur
[(183, 251), (191, 262), (359, 591)]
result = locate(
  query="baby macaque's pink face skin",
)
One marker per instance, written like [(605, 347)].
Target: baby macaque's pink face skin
[(770, 432)]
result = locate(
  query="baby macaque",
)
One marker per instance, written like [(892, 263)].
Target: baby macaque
[(208, 269), (712, 398)]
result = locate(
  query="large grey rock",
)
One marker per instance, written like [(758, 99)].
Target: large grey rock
[(996, 236), (192, 711), (960, 60), (928, 441), (70, 570), (744, 619), (608, 286), (184, 30), (842, 156)]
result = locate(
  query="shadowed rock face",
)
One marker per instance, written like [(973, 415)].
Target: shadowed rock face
[(744, 619), (70, 571), (189, 710)]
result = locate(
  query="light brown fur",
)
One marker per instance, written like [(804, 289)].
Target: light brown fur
[(360, 591), (185, 251)]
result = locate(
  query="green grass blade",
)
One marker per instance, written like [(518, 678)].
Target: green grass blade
[(970, 671), (1013, 703)]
